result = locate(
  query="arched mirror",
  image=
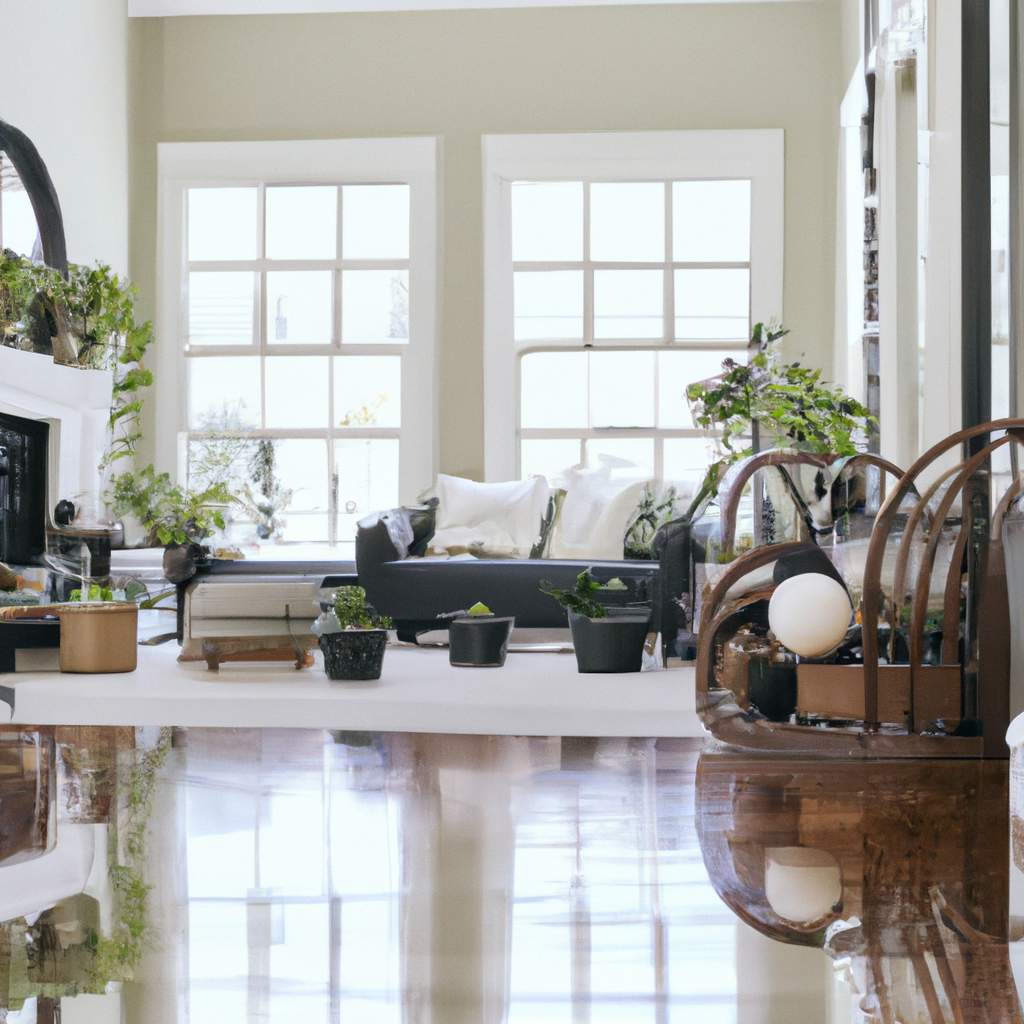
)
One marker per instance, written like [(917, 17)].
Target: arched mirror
[(30, 219)]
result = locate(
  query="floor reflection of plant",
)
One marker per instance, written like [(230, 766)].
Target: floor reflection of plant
[(117, 955), (63, 951)]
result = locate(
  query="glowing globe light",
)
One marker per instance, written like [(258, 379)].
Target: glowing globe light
[(810, 614)]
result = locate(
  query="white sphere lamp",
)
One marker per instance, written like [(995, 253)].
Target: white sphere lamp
[(810, 614), (802, 884)]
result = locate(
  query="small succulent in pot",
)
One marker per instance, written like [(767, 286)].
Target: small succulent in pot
[(478, 638), (602, 642), (353, 644)]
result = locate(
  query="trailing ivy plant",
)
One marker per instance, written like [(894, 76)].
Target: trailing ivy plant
[(791, 401), (170, 513), (86, 319)]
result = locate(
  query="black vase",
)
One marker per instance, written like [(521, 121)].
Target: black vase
[(182, 560), (480, 641), (611, 644), (354, 654)]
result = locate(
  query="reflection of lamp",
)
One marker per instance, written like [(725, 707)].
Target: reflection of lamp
[(802, 884)]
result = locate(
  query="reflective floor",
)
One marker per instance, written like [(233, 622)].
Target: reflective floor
[(308, 876)]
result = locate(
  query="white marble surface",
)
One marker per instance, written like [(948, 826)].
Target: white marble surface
[(535, 694)]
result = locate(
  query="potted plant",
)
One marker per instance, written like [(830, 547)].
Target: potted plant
[(478, 638), (84, 318), (354, 650), (790, 401), (602, 642), (176, 517)]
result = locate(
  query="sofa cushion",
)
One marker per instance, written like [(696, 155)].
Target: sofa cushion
[(485, 540), (507, 515), (599, 506)]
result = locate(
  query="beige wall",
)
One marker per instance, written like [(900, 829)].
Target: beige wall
[(62, 82), (460, 74)]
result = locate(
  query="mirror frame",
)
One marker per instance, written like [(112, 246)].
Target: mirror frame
[(42, 195)]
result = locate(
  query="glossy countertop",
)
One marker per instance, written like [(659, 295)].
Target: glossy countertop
[(535, 693)]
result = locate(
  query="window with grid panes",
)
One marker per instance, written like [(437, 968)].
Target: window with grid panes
[(298, 319), (624, 292)]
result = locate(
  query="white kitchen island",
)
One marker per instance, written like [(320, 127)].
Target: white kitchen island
[(535, 694)]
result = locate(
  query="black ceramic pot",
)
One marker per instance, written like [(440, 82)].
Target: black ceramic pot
[(354, 654), (611, 644), (480, 641), (182, 560)]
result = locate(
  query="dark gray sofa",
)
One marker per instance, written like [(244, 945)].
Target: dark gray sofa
[(414, 591)]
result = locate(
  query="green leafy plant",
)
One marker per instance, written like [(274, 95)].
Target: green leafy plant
[(580, 599), (353, 613), (86, 319), (170, 513), (789, 400)]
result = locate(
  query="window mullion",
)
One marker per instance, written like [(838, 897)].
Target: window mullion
[(332, 483), (261, 306), (588, 271), (669, 313)]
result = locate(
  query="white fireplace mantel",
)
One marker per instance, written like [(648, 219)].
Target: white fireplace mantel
[(77, 403)]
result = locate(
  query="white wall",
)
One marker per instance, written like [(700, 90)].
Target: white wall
[(63, 83), (459, 75)]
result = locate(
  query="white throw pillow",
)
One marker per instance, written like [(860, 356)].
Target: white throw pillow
[(599, 505), (514, 507)]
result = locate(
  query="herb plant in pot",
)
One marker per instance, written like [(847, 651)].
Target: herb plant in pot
[(478, 638), (353, 648), (602, 642)]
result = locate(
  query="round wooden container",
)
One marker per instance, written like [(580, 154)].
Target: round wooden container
[(99, 636)]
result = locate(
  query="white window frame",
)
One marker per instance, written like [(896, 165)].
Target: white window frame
[(757, 155), (411, 161)]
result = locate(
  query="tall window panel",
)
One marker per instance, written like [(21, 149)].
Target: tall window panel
[(624, 292), (301, 337), (619, 268)]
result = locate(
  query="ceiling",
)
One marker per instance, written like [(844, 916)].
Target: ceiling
[(174, 8)]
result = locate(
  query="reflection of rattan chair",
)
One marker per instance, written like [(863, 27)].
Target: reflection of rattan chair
[(968, 685), (905, 838)]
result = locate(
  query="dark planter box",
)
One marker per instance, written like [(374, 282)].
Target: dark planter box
[(771, 687), (612, 644), (354, 654), (479, 641)]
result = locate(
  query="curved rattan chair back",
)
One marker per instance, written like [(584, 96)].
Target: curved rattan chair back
[(872, 596)]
